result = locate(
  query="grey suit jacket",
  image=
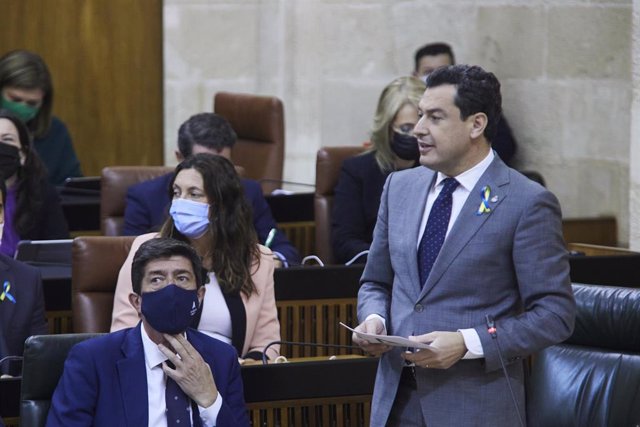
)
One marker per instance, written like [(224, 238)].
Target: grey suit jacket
[(510, 263)]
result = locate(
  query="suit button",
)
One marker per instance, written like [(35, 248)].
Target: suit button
[(419, 308)]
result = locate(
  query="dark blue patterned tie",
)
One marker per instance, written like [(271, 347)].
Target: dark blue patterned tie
[(177, 405), (436, 229)]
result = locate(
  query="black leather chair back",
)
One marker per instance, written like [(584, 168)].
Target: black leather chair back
[(44, 357), (592, 379)]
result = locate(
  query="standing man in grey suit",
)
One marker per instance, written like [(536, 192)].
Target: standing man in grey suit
[(492, 246)]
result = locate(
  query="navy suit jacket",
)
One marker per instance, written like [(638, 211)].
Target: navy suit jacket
[(27, 316), (104, 382), (147, 208)]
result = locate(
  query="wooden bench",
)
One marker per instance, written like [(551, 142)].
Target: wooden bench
[(312, 392), (311, 302), (595, 231)]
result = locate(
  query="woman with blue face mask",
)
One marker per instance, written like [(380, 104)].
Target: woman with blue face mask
[(26, 90), (393, 147), (210, 212), (32, 209)]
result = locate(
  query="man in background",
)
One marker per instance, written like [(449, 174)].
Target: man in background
[(147, 203), (435, 55)]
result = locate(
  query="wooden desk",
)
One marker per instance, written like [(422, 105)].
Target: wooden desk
[(611, 270), (595, 231), (56, 286), (81, 209), (311, 392), (295, 217), (10, 400), (311, 302)]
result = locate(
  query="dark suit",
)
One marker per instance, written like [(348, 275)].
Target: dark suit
[(148, 203), (510, 263), (355, 206), (104, 382), (27, 316)]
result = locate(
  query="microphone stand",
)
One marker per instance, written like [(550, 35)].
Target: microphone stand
[(304, 344), (491, 328)]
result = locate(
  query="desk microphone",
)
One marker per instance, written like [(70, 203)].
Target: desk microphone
[(282, 181), (312, 258), (8, 367), (493, 331), (304, 344), (357, 256)]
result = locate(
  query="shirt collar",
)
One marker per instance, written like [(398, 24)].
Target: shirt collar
[(152, 354), (469, 178)]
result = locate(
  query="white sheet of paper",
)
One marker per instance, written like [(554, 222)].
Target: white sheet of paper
[(391, 340)]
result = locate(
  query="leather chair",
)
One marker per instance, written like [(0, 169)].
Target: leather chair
[(44, 357), (328, 164), (592, 378), (115, 181), (259, 123), (94, 274)]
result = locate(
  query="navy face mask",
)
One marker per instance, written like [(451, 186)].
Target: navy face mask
[(171, 309), (405, 146)]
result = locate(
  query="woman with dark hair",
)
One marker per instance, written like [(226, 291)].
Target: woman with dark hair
[(210, 212), (32, 210), (26, 90)]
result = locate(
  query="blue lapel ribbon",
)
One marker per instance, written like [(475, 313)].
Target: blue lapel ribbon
[(5, 292), (484, 204)]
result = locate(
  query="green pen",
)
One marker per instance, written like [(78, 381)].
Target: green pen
[(270, 236)]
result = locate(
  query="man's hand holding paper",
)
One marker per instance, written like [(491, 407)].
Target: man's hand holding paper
[(443, 351)]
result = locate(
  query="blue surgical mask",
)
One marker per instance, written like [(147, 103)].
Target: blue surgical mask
[(190, 218), (171, 309)]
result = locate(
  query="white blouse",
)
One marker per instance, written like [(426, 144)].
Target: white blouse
[(216, 318)]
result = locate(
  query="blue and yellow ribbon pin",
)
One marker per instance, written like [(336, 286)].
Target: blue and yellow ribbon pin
[(5, 292), (485, 193)]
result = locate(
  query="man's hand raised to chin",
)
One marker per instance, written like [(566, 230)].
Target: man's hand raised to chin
[(192, 373)]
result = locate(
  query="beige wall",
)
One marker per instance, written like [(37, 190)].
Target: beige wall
[(634, 193), (565, 66)]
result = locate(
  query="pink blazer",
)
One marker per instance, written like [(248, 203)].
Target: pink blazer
[(262, 322)]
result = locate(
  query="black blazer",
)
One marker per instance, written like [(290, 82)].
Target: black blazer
[(50, 221), (26, 316), (355, 206)]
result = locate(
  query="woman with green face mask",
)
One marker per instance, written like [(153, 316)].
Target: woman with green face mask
[(27, 92)]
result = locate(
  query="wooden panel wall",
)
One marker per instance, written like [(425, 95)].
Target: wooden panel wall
[(106, 60)]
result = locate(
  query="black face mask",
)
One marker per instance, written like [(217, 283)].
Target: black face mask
[(9, 160), (405, 146)]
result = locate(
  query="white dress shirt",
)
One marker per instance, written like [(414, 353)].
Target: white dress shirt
[(467, 181), (156, 384)]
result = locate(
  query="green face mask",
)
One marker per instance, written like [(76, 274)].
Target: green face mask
[(22, 111)]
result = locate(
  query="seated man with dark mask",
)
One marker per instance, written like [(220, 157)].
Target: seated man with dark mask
[(161, 372)]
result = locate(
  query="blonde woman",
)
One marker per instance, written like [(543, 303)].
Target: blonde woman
[(393, 147)]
